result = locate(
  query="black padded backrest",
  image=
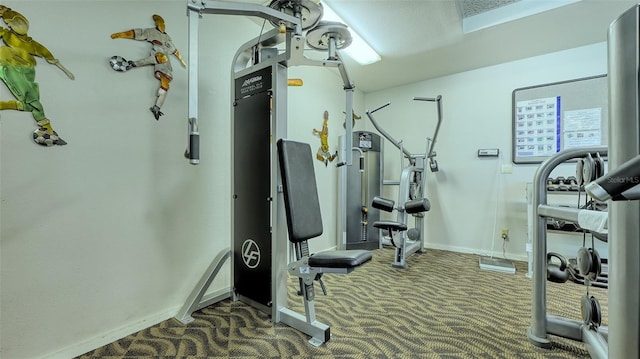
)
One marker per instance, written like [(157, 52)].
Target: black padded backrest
[(300, 190)]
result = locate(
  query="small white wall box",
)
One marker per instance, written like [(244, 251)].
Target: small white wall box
[(488, 152)]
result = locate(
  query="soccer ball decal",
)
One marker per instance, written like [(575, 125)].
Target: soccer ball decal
[(119, 63), (46, 138)]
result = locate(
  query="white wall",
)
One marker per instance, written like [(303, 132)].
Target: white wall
[(109, 234), (477, 114)]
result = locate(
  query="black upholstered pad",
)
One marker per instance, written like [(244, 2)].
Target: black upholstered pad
[(383, 204), (417, 205), (300, 190), (340, 259), (303, 207), (395, 226)]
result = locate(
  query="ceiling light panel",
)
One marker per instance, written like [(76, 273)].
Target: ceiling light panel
[(470, 8), (507, 12)]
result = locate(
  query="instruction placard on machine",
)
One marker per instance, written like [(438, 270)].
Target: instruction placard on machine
[(365, 140)]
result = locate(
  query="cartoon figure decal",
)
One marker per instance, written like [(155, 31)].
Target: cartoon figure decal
[(162, 48), (354, 117), (18, 72), (323, 154)]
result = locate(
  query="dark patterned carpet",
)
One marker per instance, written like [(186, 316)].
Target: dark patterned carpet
[(442, 306)]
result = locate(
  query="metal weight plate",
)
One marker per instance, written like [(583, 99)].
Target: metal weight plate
[(310, 11), (579, 168), (318, 37), (586, 309), (584, 260), (596, 311), (588, 170)]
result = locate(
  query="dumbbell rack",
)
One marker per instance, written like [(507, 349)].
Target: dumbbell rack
[(562, 184), (561, 187), (543, 323)]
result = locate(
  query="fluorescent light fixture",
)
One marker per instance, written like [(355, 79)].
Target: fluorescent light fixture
[(359, 50), (514, 11)]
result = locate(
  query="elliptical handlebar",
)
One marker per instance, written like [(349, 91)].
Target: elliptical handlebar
[(379, 108), (386, 134)]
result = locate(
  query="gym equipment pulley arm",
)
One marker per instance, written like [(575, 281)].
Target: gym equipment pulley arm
[(438, 101), (195, 10), (289, 29), (386, 134)]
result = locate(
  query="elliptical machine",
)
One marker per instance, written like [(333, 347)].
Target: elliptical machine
[(411, 198)]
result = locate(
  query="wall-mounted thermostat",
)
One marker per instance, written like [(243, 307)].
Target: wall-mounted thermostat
[(488, 152)]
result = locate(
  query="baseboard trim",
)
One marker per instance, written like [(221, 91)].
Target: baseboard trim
[(511, 256), (112, 336)]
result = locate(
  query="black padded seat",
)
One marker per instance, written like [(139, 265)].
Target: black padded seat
[(340, 259), (304, 222), (302, 206), (390, 225)]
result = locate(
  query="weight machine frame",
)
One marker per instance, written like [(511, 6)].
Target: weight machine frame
[(247, 61), (414, 176)]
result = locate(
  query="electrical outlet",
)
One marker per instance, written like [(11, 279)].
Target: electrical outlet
[(504, 233)]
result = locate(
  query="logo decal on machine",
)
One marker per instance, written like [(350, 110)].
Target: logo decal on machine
[(251, 85), (251, 80), (250, 253)]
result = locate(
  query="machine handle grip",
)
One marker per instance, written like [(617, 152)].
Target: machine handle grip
[(380, 108), (431, 99), (614, 183), (194, 148)]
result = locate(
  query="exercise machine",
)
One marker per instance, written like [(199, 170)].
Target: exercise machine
[(260, 193), (357, 187), (411, 198), (304, 223), (290, 19), (620, 187)]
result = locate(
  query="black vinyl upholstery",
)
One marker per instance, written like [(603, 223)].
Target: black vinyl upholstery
[(383, 204), (412, 207), (300, 190), (340, 259), (302, 206), (390, 225), (417, 206)]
